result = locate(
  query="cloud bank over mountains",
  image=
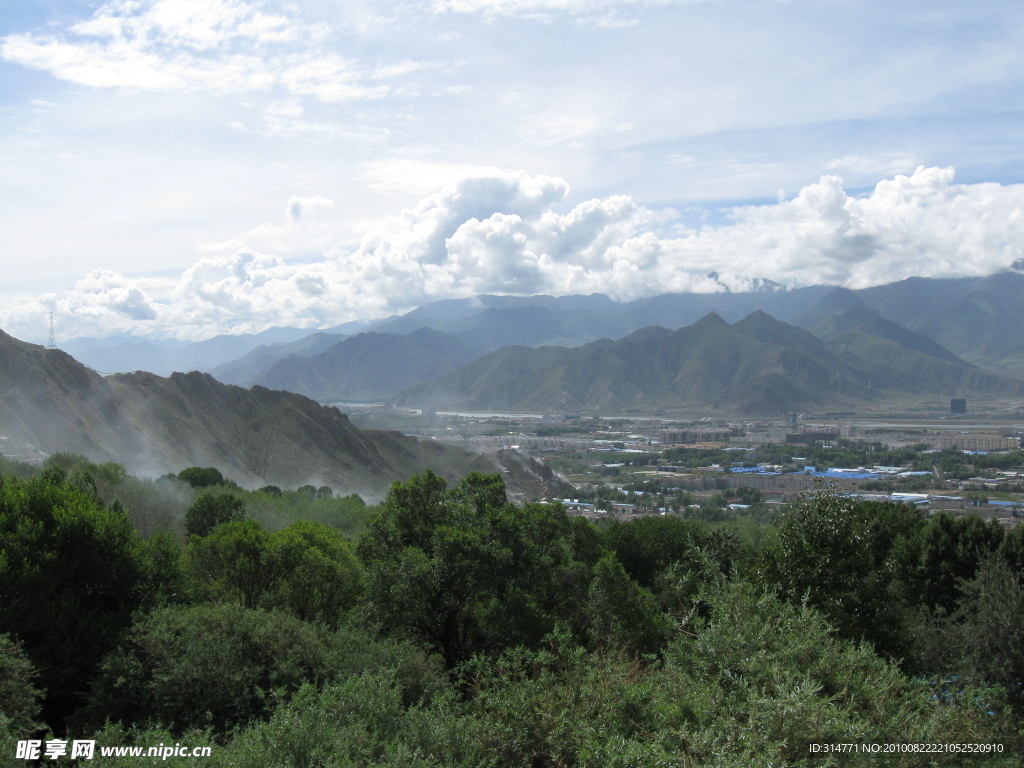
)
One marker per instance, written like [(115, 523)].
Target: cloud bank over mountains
[(496, 231)]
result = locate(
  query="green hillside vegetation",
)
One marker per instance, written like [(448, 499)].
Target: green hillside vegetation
[(757, 366), (452, 628), (979, 319)]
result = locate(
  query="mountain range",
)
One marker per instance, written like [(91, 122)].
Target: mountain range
[(371, 365), (979, 320), (755, 366), (917, 335)]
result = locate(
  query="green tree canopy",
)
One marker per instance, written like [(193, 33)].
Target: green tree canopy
[(318, 575), (949, 552), (307, 569), (19, 696), (233, 563), (201, 477), (211, 510), (843, 555), (648, 546), (464, 570), (70, 578), (216, 666)]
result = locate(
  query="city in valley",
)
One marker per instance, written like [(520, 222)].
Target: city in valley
[(954, 459)]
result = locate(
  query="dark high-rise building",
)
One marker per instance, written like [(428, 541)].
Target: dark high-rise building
[(958, 405)]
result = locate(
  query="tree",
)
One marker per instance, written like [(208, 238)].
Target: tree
[(201, 477), (318, 575), (233, 563), (19, 697), (623, 615), (982, 641), (841, 556), (950, 550), (165, 578), (648, 546), (70, 579), (463, 570), (307, 569), (211, 510)]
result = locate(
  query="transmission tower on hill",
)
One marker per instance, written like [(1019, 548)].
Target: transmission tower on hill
[(52, 341)]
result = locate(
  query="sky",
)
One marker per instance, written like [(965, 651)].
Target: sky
[(183, 168)]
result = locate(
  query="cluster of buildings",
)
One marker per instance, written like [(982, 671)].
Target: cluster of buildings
[(494, 442), (689, 436), (965, 441)]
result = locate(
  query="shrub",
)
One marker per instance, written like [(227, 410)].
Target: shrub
[(207, 666), (19, 697)]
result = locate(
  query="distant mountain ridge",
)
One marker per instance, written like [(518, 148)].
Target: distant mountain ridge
[(756, 366), (979, 320), (371, 365), (247, 369)]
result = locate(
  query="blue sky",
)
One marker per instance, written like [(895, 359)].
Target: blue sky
[(187, 168)]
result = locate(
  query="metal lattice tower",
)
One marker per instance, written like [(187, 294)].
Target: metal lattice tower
[(52, 341)]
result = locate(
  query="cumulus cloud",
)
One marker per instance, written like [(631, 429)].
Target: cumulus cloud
[(105, 296), (219, 46), (508, 232)]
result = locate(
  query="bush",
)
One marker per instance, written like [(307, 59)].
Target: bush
[(211, 666), (223, 667), (19, 697)]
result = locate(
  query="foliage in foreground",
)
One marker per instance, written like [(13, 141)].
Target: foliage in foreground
[(748, 684), (463, 630)]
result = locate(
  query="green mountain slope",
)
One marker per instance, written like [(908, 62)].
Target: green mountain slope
[(866, 322), (706, 365), (756, 366), (979, 319), (246, 369)]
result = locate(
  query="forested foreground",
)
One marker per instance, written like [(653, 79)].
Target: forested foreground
[(448, 627)]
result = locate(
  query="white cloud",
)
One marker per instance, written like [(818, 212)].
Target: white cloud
[(218, 46), (874, 165), (562, 128), (601, 12), (298, 207), (498, 231), (420, 177)]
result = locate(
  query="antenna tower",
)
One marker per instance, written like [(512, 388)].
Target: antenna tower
[(52, 341)]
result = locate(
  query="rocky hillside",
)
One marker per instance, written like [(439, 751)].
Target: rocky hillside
[(49, 402)]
